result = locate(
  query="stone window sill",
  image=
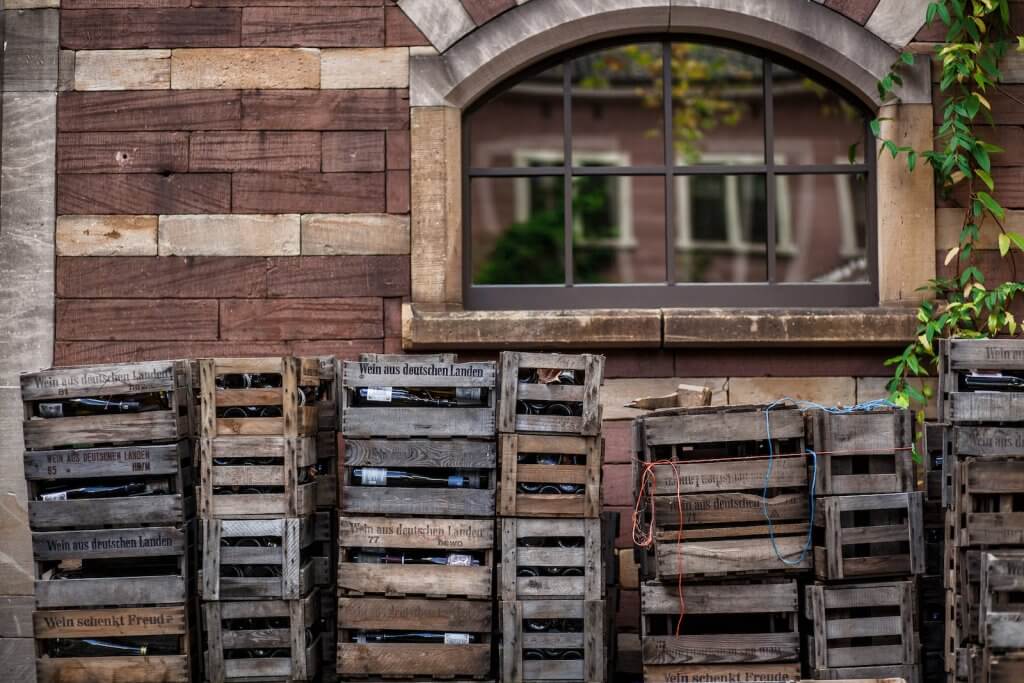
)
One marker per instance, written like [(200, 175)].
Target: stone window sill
[(437, 328)]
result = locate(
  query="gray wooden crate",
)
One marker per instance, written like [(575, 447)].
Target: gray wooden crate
[(167, 467), (301, 662), (873, 535), (986, 510), (587, 395), (513, 502), (95, 381), (592, 639), (289, 569), (761, 630), (517, 555), (1001, 611), (397, 534), (414, 660), (408, 422), (475, 456), (853, 631), (959, 357), (865, 452), (149, 621)]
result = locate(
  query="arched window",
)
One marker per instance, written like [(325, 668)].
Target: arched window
[(668, 172)]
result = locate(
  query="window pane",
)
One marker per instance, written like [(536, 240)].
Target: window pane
[(721, 228), (822, 227), (619, 229), (717, 105), (814, 124), (617, 107), (521, 126), (518, 230)]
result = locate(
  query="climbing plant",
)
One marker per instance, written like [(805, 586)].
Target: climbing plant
[(964, 303)]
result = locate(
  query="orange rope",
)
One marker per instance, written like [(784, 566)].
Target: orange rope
[(644, 538)]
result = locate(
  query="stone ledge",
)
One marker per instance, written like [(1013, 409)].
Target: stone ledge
[(438, 327), (789, 327), (427, 327)]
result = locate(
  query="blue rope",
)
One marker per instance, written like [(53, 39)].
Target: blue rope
[(804, 406)]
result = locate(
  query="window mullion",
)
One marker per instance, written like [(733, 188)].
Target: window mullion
[(567, 173), (670, 162), (770, 182)]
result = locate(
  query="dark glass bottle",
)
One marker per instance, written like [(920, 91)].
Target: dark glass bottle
[(119, 647), (380, 476), (420, 397), (103, 405), (413, 557), (127, 489), (996, 381), (445, 638)]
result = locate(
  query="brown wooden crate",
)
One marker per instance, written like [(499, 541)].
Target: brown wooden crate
[(353, 151), (110, 29), (513, 502), (326, 110), (291, 557), (122, 152), (141, 193), (313, 26), (984, 511), (307, 193), (274, 319), (266, 151), (1000, 611), (866, 452), (592, 640), (476, 457), (587, 393), (883, 532), (586, 559), (149, 110), (163, 319), (400, 30), (483, 11), (419, 533), (763, 623), (158, 277), (339, 276), (157, 669), (300, 664)]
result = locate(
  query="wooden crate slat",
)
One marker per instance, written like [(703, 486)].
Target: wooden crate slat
[(106, 380), (107, 543), (715, 648), (515, 668), (988, 441), (115, 461), (453, 453), (98, 429), (108, 622), (743, 423), (985, 354), (359, 422), (152, 510), (673, 673), (145, 590), (371, 614), (150, 669), (876, 444), (589, 585), (754, 598), (412, 501)]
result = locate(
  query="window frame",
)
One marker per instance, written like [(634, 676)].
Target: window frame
[(669, 293)]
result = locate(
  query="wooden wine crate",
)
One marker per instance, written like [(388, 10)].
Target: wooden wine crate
[(285, 570), (431, 457), (590, 637), (934, 449), (171, 378), (986, 508), (726, 628), (1003, 668), (471, 618), (705, 502), (290, 645), (585, 396), (138, 566), (866, 452), (443, 536), (165, 467), (854, 631), (1002, 610), (512, 502), (872, 535), (958, 357), (549, 563), (169, 623), (364, 422)]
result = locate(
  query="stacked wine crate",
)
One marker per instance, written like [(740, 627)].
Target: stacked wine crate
[(554, 615), (932, 586), (717, 600), (980, 401), (112, 507), (325, 539), (416, 530), (869, 546), (259, 422)]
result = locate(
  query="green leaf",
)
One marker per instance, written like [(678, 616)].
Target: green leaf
[(1017, 239), (981, 156), (852, 152), (911, 160), (876, 127), (986, 178), (1004, 244), (992, 205), (907, 58), (933, 9), (943, 13)]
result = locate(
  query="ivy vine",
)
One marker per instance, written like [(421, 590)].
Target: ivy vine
[(978, 36)]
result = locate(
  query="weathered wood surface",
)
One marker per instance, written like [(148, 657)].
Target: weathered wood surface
[(150, 510), (514, 503), (412, 501), (881, 438), (147, 590), (986, 407), (115, 461), (113, 622), (149, 111), (152, 669), (713, 425), (1001, 612), (988, 441), (102, 543), (588, 394), (124, 378), (592, 640), (588, 560), (984, 354), (419, 613), (734, 556), (990, 485), (736, 672), (31, 51), (454, 453)]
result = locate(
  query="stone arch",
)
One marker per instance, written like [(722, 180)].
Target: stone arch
[(473, 59)]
